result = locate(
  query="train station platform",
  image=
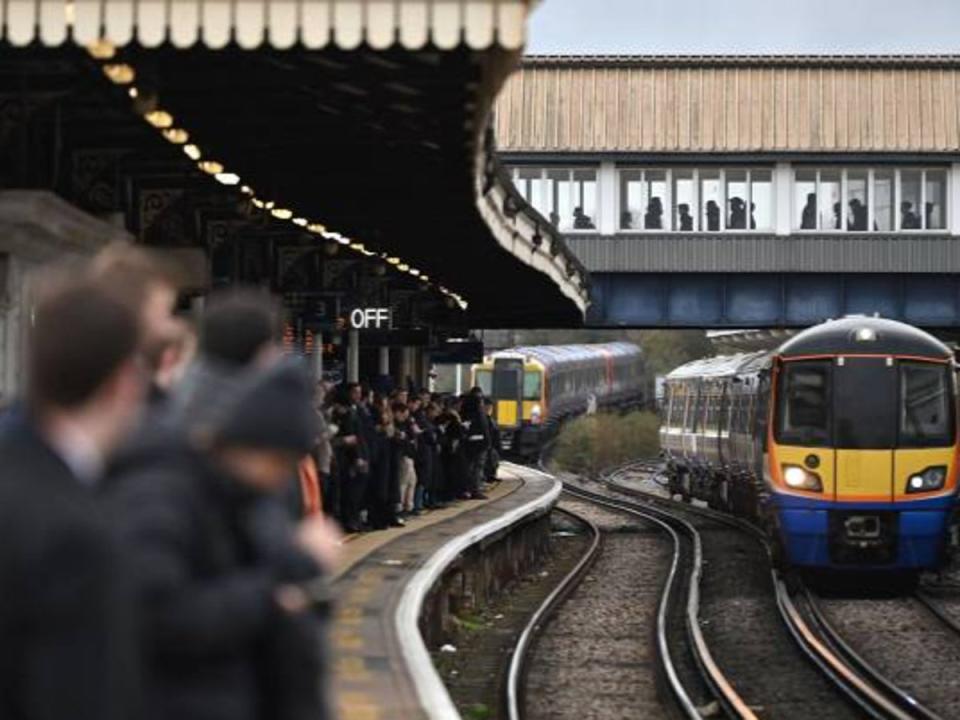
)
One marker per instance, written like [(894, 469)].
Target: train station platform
[(382, 667)]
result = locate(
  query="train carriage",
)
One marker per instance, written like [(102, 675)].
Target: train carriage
[(843, 441), (535, 388)]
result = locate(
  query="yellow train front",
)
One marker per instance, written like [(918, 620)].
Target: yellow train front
[(847, 434), (535, 388)]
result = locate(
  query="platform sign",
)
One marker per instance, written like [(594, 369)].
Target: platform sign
[(371, 318), (457, 352)]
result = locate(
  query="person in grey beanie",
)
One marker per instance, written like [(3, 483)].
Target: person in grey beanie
[(231, 619)]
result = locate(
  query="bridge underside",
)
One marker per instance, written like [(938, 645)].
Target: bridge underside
[(770, 300)]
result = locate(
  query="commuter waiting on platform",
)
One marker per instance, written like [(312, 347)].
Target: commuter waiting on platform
[(713, 216), (909, 220), (653, 219), (858, 215), (67, 630), (808, 219), (626, 220), (582, 221), (738, 214), (686, 219)]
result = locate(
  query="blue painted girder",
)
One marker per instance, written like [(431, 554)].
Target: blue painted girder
[(771, 300)]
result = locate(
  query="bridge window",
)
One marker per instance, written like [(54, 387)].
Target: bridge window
[(690, 199), (566, 197), (863, 200)]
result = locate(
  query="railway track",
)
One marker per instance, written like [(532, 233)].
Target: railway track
[(688, 669), (870, 687), (519, 660)]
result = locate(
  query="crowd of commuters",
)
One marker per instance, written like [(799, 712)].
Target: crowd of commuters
[(383, 457), (159, 558), (166, 495)]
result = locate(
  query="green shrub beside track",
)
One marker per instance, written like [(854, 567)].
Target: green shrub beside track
[(587, 445)]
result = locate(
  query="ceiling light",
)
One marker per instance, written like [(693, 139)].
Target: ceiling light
[(302, 222), (246, 190), (414, 272), (227, 178), (281, 213), (159, 118), (257, 202), (192, 152), (316, 228), (357, 246), (133, 92), (393, 260), (403, 267), (211, 167), (119, 73), (343, 240), (102, 49), (178, 136)]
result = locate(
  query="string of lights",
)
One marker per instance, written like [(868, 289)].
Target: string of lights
[(124, 75)]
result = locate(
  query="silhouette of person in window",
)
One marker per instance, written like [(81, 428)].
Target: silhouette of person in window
[(808, 220), (738, 214), (626, 220), (858, 216), (713, 216), (928, 213), (581, 221), (653, 219), (555, 219), (686, 219), (836, 216), (909, 220), (753, 218)]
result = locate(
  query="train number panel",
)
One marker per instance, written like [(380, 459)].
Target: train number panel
[(843, 441)]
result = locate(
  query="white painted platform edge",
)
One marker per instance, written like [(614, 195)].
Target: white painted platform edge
[(434, 698)]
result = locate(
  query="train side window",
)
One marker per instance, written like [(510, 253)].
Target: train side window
[(804, 404), (531, 385)]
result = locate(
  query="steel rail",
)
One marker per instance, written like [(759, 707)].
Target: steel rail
[(855, 677), (936, 609), (518, 661), (719, 685)]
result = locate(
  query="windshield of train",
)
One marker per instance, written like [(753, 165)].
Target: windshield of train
[(804, 417), (865, 403), (484, 381), (926, 417)]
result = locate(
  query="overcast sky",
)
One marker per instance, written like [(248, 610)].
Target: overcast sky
[(745, 26)]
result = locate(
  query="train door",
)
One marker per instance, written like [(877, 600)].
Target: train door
[(508, 391), (865, 427)]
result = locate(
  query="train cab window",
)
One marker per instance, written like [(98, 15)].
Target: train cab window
[(926, 417), (531, 385), (804, 412), (484, 380)]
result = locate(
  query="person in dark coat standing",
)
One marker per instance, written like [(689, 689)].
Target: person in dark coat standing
[(476, 442), (67, 634), (229, 612)]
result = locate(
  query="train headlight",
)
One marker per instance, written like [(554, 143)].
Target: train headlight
[(536, 414), (932, 478), (801, 479)]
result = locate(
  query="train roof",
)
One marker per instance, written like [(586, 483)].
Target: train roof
[(864, 335), (552, 354), (721, 366)]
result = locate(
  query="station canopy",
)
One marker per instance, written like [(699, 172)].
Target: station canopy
[(363, 122)]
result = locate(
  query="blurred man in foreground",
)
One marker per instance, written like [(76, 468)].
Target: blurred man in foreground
[(66, 636)]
